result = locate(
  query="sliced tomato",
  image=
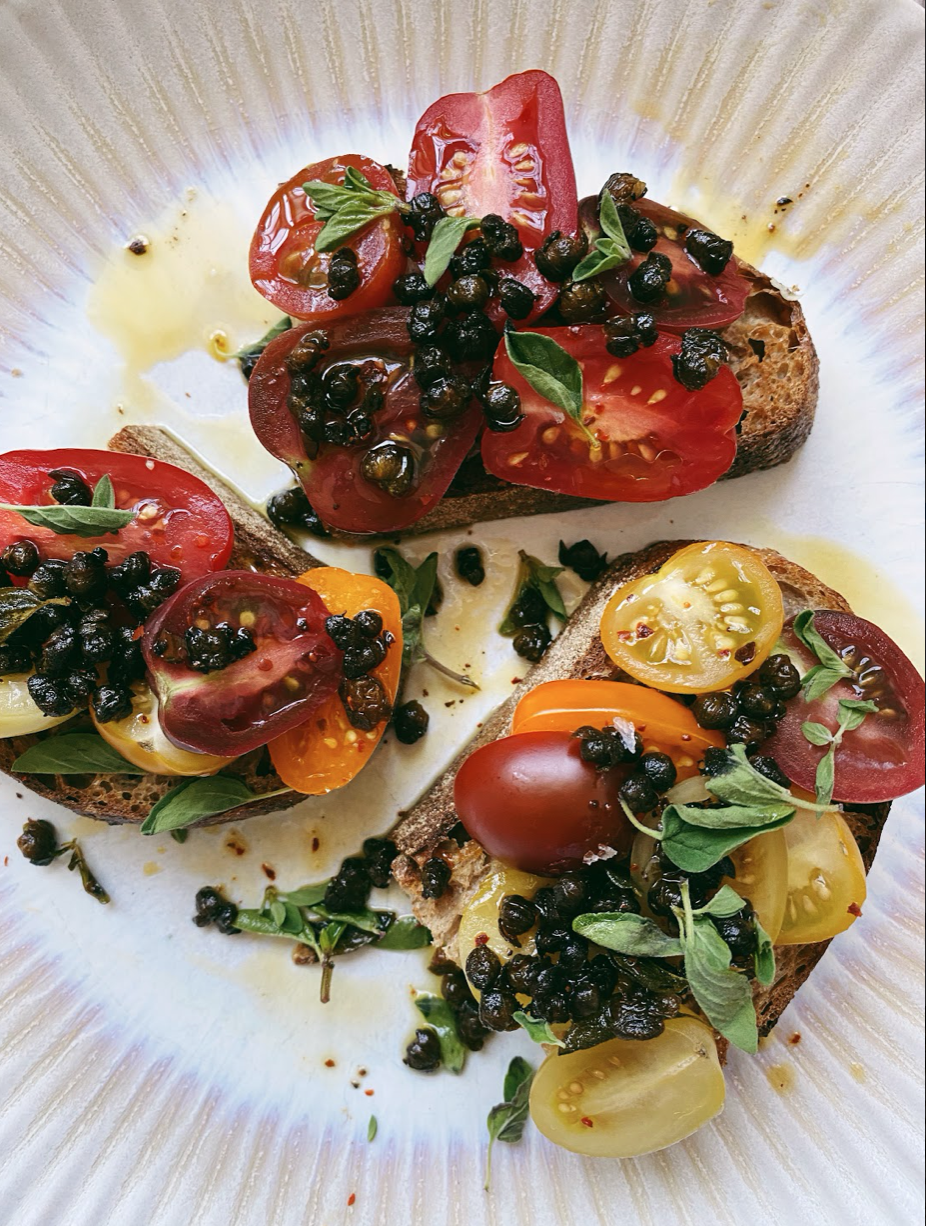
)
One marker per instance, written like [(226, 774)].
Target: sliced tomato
[(883, 757), (333, 480), (661, 722), (533, 803), (693, 298), (326, 751), (826, 878), (290, 273), (178, 520), (646, 437), (141, 740), (506, 152), (232, 710), (708, 617)]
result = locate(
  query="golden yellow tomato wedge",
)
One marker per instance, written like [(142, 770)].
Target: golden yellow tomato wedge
[(625, 1097), (826, 878), (326, 751), (480, 914), (141, 740), (663, 723), (19, 715), (708, 617)]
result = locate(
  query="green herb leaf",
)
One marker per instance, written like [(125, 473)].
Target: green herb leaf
[(249, 354), (604, 255), (830, 670), (445, 238), (825, 776), (366, 919), (74, 753), (195, 799), (532, 573), (696, 849), (405, 933), (854, 711), (537, 1030), (739, 783), (610, 222), (727, 817), (627, 934), (17, 604), (722, 993), (306, 895), (764, 958), (726, 902), (818, 680), (180, 835), (372, 1128), (100, 517), (277, 912), (506, 1120), (817, 734), (549, 369), (348, 220), (439, 1015), (87, 878)]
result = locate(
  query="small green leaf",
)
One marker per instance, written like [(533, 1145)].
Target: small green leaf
[(723, 994), (248, 355), (538, 1031), (103, 494), (739, 783), (696, 849), (306, 895), (825, 777), (518, 1072), (17, 604), (99, 518), (278, 913), (727, 817), (195, 799), (726, 902), (627, 933), (439, 1015), (180, 835), (366, 919), (372, 1128), (817, 734), (550, 370), (506, 1120), (818, 680), (74, 753), (350, 218), (445, 238), (764, 959), (831, 669), (532, 573), (405, 933), (610, 222), (854, 711)]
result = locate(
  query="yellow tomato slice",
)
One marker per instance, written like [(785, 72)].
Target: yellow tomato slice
[(141, 740), (326, 751), (663, 723), (826, 878), (19, 715), (625, 1097), (708, 617)]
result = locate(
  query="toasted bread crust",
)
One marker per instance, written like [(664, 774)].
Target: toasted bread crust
[(578, 652), (120, 799)]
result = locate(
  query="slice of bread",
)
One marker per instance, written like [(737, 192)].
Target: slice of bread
[(129, 798), (578, 652), (773, 358)]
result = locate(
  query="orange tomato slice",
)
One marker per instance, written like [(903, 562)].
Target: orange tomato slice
[(663, 723), (326, 751)]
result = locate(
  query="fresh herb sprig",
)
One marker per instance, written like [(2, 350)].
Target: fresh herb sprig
[(17, 604), (414, 586), (609, 251), (536, 1030), (99, 518), (194, 799), (74, 753), (552, 372), (39, 844), (445, 238), (440, 1017), (830, 669), (507, 1119), (532, 573), (348, 207), (852, 714)]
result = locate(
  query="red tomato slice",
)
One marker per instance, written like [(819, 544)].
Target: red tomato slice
[(332, 480), (507, 152), (881, 759), (655, 439), (178, 520), (232, 710), (532, 802), (694, 298), (290, 273)]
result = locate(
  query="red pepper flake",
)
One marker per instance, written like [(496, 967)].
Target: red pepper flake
[(624, 635), (587, 1121), (269, 872), (369, 1093), (329, 1063), (351, 1199), (481, 938), (854, 909), (795, 1038), (643, 631), (6, 860), (315, 844)]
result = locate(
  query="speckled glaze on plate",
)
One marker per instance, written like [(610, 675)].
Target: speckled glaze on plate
[(155, 1074)]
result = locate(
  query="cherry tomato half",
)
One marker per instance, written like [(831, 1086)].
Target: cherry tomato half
[(178, 520), (662, 723), (326, 751), (693, 299), (141, 740), (705, 619), (290, 273), (883, 757), (646, 438), (378, 346), (232, 710), (506, 152), (826, 878), (532, 802)]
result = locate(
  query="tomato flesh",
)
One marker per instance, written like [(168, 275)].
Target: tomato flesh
[(504, 151), (883, 757), (140, 739), (662, 723), (708, 617), (651, 439), (290, 273), (826, 878), (232, 710), (532, 802), (693, 299), (178, 520), (326, 751), (333, 480)]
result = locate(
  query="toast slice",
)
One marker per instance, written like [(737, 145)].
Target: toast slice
[(578, 652), (119, 799), (775, 362)]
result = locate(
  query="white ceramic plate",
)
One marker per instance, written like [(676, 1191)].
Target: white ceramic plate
[(154, 1073)]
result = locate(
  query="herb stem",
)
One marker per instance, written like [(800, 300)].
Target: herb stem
[(460, 678), (324, 992), (628, 813)]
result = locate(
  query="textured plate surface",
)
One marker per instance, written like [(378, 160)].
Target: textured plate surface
[(156, 1074)]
